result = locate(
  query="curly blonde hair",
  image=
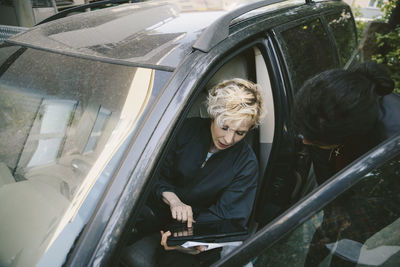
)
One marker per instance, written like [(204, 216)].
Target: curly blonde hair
[(237, 101)]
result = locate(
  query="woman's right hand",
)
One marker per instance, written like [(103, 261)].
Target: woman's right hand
[(182, 212), (179, 210)]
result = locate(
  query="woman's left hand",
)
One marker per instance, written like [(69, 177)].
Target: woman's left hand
[(192, 250)]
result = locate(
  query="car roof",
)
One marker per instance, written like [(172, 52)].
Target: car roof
[(156, 34)]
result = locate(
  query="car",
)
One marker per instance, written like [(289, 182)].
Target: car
[(90, 102)]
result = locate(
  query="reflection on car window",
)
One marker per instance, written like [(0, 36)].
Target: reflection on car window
[(307, 51), (359, 228), (102, 117), (61, 124), (48, 131), (342, 26)]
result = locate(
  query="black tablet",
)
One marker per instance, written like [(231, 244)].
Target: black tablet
[(206, 232)]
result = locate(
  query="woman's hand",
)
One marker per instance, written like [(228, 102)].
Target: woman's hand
[(179, 210), (192, 250), (182, 212)]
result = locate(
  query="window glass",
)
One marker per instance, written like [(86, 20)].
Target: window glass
[(63, 122), (342, 26), (102, 117), (307, 51), (49, 130), (359, 228), (376, 3)]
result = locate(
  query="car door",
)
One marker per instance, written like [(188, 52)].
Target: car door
[(353, 218), (302, 48), (295, 47)]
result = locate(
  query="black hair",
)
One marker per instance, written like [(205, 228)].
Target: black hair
[(337, 104)]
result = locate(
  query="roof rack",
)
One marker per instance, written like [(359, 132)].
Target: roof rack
[(219, 29)]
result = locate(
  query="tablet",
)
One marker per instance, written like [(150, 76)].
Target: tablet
[(206, 232)]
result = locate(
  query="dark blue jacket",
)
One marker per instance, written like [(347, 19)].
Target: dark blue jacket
[(222, 188)]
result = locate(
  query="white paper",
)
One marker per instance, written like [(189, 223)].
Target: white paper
[(208, 246)]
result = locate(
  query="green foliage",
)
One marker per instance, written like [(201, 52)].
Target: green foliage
[(389, 44), (387, 8), (360, 25), (356, 11)]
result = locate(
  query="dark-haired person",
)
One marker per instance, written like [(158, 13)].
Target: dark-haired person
[(341, 114)]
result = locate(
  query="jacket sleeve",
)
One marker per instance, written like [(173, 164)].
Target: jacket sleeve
[(166, 175), (165, 179), (236, 201)]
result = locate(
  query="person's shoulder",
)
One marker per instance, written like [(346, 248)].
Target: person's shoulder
[(245, 165), (191, 128), (194, 124), (246, 154), (249, 151), (392, 101), (389, 115)]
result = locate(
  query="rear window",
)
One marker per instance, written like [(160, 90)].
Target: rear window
[(306, 50), (62, 123)]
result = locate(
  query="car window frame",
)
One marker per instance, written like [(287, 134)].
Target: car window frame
[(313, 202), (215, 59), (282, 137), (205, 78)]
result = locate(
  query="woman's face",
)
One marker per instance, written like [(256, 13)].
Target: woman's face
[(228, 135)]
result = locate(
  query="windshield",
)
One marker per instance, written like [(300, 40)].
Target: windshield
[(62, 119)]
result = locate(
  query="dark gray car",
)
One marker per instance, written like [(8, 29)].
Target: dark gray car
[(89, 102)]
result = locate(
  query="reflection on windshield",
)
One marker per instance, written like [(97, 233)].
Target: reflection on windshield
[(61, 123), (53, 118), (101, 120)]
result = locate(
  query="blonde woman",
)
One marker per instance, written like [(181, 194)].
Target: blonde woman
[(211, 172)]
